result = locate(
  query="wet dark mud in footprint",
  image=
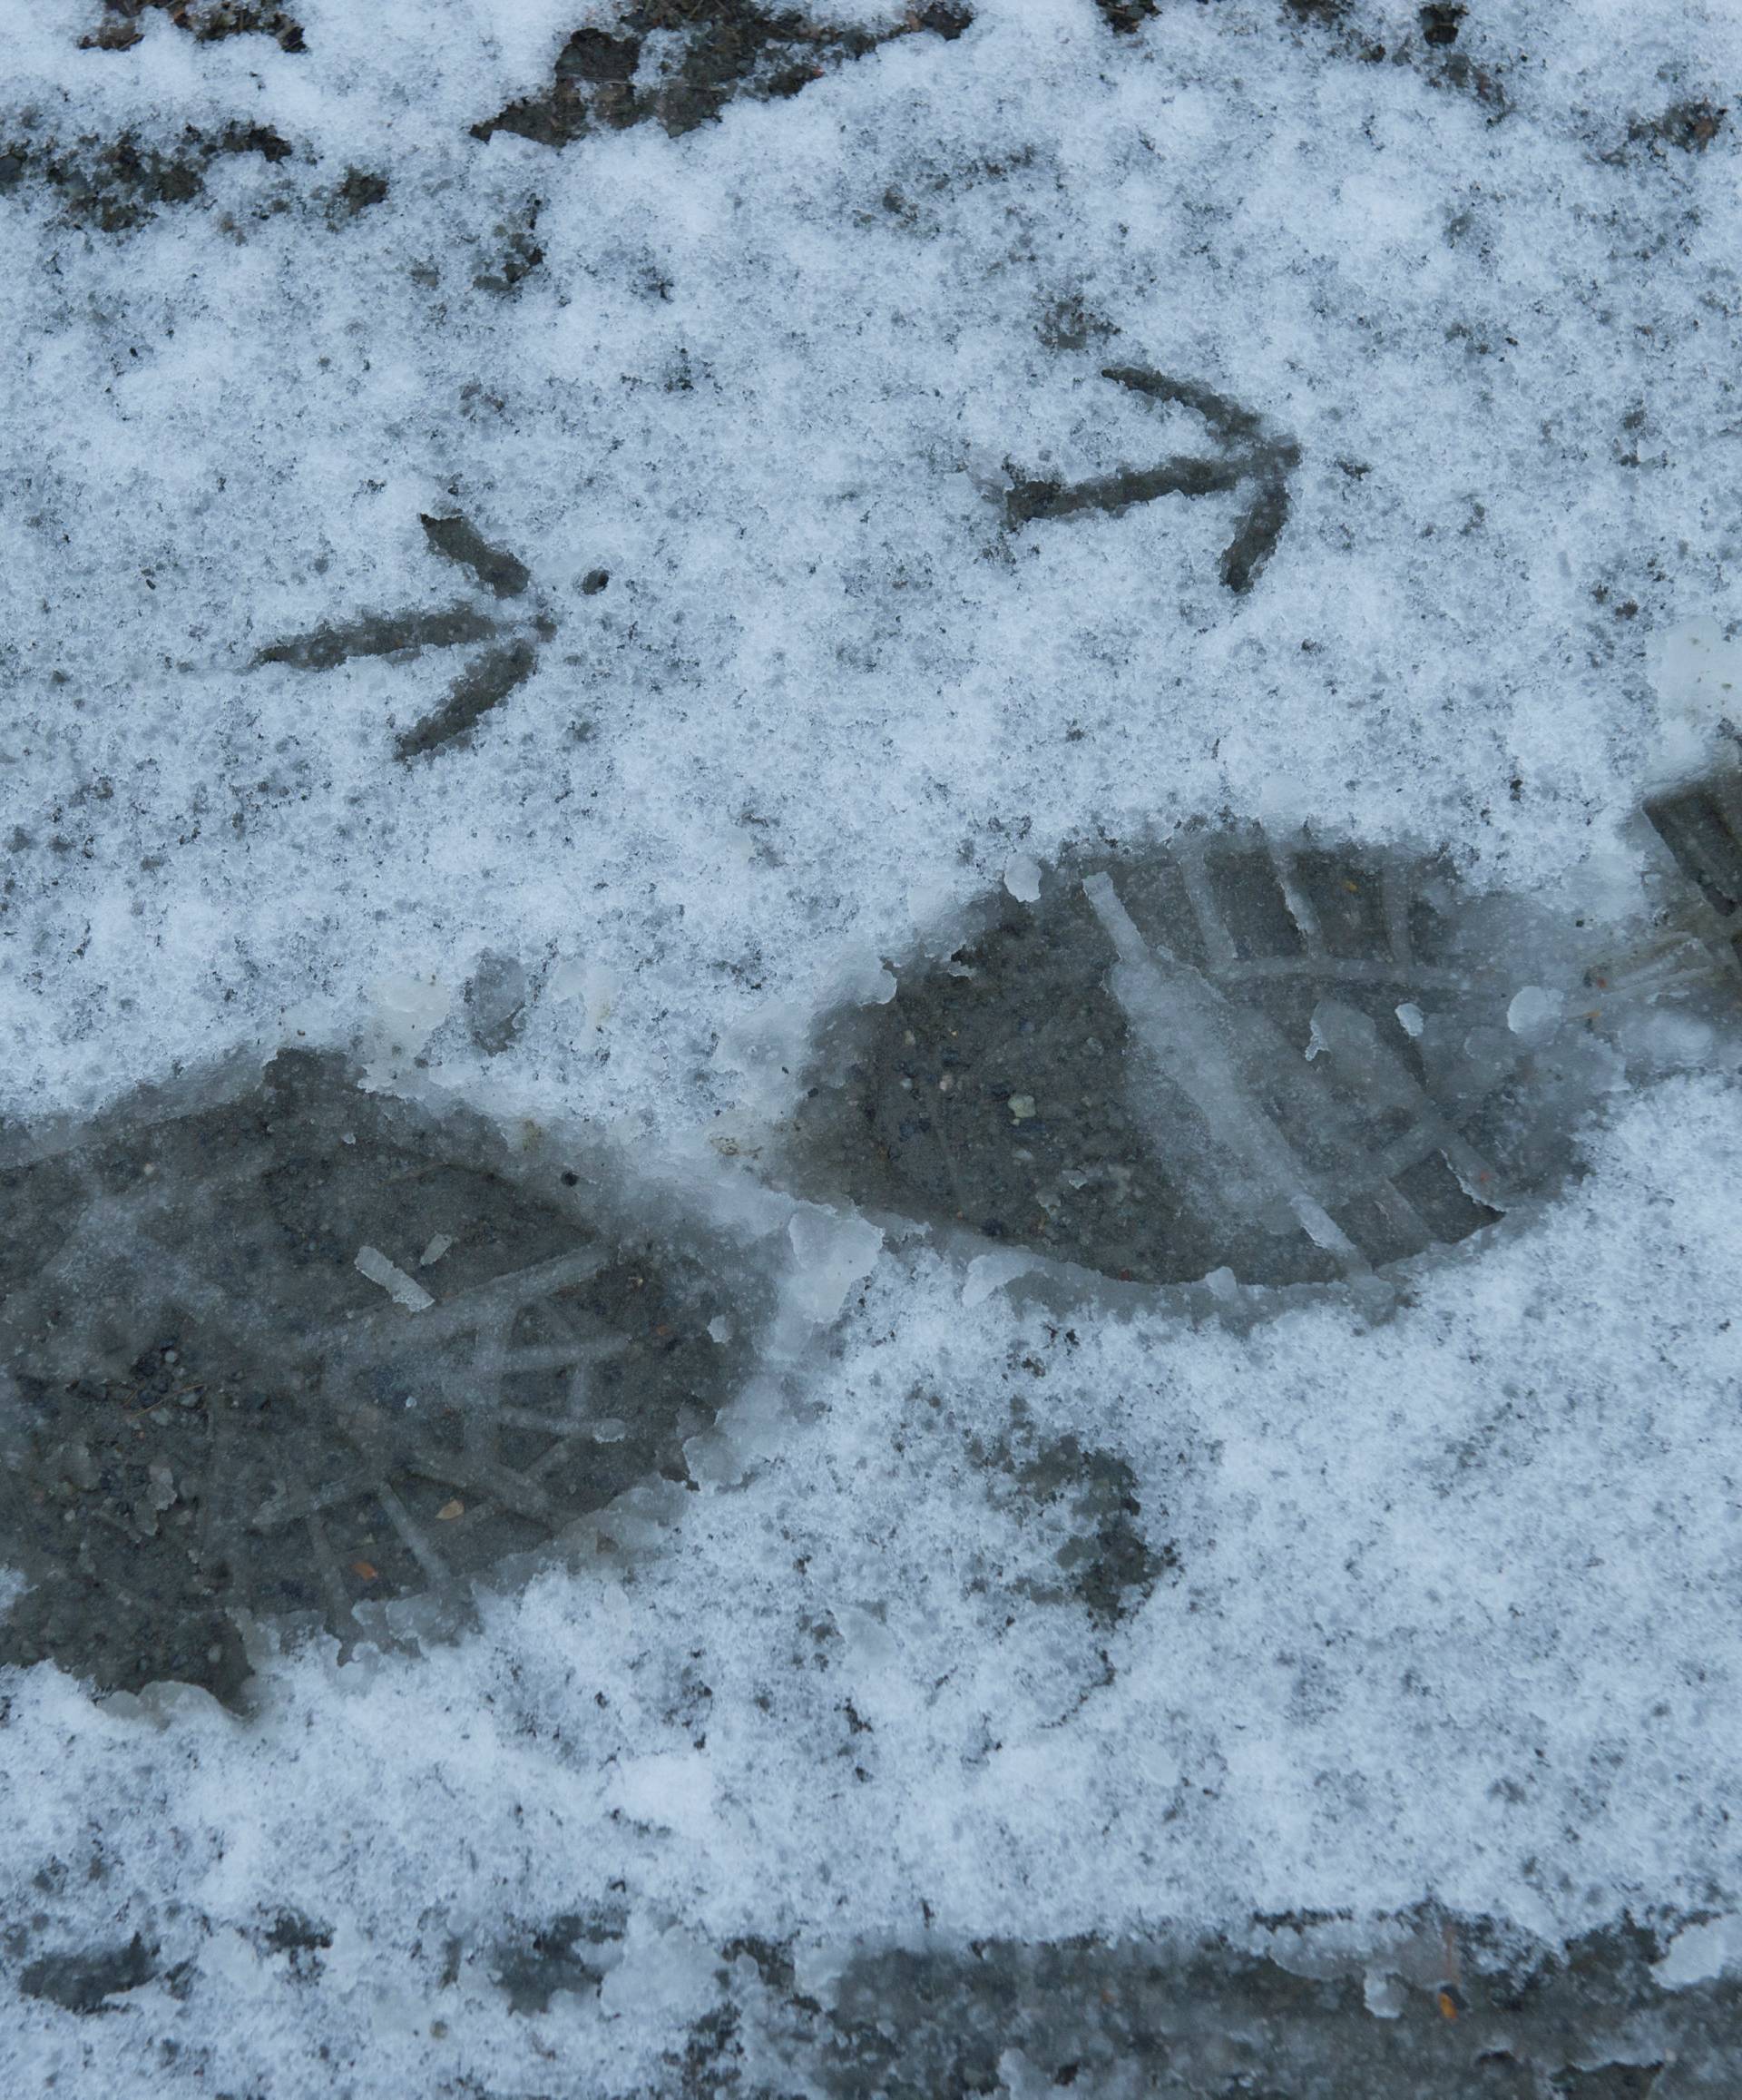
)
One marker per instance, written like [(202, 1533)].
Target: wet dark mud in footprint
[(1204, 2021), (1258, 1061), (307, 1349)]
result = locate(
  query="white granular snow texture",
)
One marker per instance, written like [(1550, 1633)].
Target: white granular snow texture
[(1454, 1608)]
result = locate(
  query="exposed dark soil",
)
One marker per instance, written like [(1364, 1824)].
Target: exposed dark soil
[(1686, 127), (1457, 2015), (725, 49), (1446, 44), (114, 185), (1106, 1562), (207, 21)]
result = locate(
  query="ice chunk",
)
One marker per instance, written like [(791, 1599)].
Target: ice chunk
[(1022, 877), (1697, 669), (667, 1977), (1701, 1952), (668, 1789), (1697, 672), (495, 1001), (408, 1011), (1386, 1996), (1179, 1016), (833, 1254), (987, 471), (1533, 1011), (392, 1280), (591, 984), (988, 1273)]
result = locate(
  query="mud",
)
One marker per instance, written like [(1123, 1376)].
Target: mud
[(1011, 1090), (1206, 2022), (214, 1414), (1261, 1061)]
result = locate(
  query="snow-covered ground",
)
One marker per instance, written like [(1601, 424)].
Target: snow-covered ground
[(1448, 1610)]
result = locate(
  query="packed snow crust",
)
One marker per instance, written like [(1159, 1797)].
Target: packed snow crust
[(1440, 1608)]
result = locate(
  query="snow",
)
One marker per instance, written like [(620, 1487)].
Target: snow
[(1453, 1615)]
